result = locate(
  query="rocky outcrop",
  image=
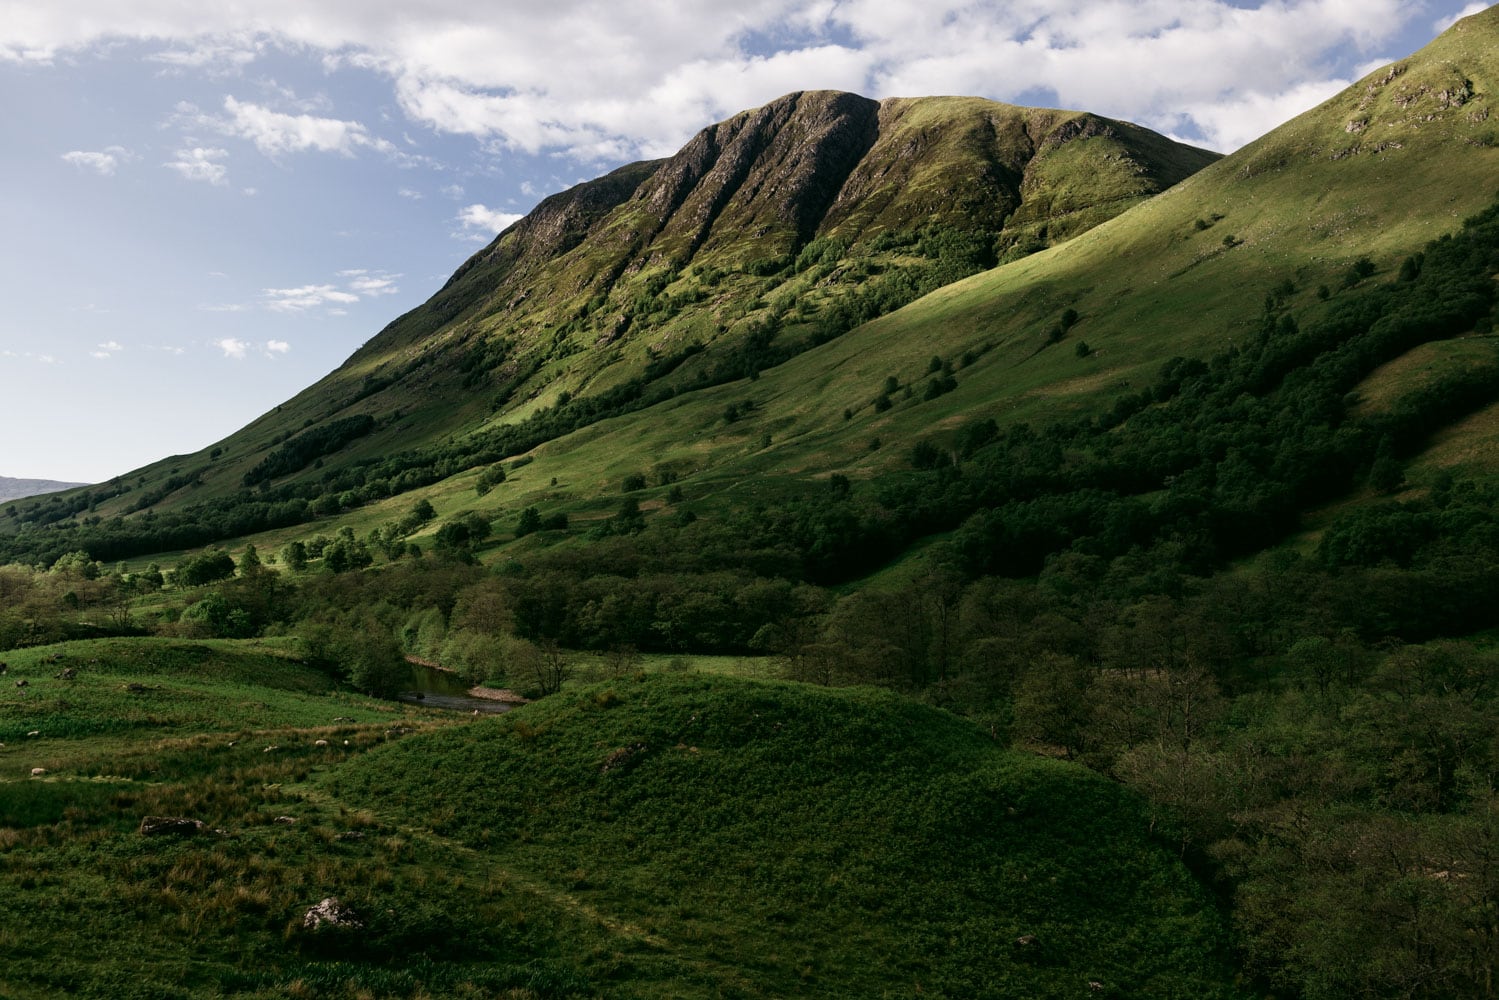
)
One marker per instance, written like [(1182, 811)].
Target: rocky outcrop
[(819, 163)]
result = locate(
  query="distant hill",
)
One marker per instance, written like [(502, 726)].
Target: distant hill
[(15, 489)]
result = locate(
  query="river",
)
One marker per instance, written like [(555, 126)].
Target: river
[(437, 688)]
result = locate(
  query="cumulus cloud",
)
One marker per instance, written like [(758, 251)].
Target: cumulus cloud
[(200, 164), (373, 285), (276, 348), (233, 347), (305, 297), (481, 223), (275, 133), (641, 77), (104, 162), (107, 350), (1473, 8)]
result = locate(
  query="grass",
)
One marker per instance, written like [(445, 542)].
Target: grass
[(749, 839), (220, 913), (769, 839)]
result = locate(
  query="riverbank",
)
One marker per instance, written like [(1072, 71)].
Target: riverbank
[(498, 694)]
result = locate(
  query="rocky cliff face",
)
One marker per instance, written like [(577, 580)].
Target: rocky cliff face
[(826, 163)]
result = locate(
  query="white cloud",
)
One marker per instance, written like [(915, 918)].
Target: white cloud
[(45, 359), (220, 57), (200, 164), (1231, 124), (375, 284), (1468, 11), (482, 223), (232, 347), (107, 350), (276, 348), (275, 133), (104, 163), (606, 81), (305, 297)]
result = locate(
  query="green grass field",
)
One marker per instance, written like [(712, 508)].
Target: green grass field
[(680, 832)]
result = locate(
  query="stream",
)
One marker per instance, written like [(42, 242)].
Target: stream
[(443, 689)]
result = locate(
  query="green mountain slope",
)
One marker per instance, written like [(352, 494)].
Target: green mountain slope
[(776, 230), (778, 840), (703, 321), (1185, 273)]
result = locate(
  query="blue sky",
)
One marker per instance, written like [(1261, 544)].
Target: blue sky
[(207, 210)]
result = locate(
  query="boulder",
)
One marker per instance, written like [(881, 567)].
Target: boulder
[(331, 912)]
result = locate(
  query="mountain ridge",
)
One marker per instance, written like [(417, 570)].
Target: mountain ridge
[(12, 488)]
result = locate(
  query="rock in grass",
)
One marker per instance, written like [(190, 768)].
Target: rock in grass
[(331, 912), (37, 772), (180, 826)]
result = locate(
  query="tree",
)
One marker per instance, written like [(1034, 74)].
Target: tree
[(551, 667), (530, 520), (249, 563), (208, 567), (294, 556), (217, 617), (1053, 703)]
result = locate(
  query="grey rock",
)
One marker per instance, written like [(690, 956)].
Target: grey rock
[(331, 912)]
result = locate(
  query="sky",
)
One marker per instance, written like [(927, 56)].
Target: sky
[(208, 207)]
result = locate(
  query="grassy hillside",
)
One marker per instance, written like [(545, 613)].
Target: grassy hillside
[(663, 836), (754, 839), (780, 229), (645, 352)]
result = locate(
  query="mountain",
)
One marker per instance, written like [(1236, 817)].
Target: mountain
[(770, 232), (726, 319), (16, 489)]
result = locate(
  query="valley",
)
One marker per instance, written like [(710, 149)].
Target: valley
[(949, 548)]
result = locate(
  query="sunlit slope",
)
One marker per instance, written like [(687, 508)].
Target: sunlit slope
[(762, 839), (1186, 273), (780, 227)]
